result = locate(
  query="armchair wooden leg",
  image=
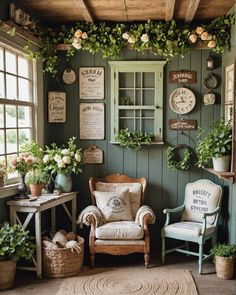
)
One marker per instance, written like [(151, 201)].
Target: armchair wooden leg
[(163, 250), (200, 259), (146, 259), (92, 258)]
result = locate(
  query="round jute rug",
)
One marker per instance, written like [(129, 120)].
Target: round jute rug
[(130, 281)]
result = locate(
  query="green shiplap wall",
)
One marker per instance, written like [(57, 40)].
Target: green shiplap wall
[(165, 187)]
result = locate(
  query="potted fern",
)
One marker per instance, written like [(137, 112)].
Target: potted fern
[(216, 145), (224, 257), (15, 243)]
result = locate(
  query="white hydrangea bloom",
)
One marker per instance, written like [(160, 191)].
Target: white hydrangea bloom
[(144, 38), (65, 152), (77, 157), (125, 35), (46, 158), (66, 160)]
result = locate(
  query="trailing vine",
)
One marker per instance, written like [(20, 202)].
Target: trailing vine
[(167, 39), (173, 159)]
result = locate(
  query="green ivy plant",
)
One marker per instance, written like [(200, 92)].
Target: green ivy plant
[(173, 159), (215, 144), (133, 139), (167, 39), (37, 177), (224, 250), (15, 242)]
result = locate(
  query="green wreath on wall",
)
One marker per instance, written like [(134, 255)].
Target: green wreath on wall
[(173, 159)]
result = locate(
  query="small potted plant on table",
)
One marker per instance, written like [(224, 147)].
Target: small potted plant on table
[(36, 180), (15, 243), (216, 145), (224, 256)]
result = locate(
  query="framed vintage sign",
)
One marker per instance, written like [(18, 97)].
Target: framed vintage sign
[(182, 76), (91, 83), (93, 155), (182, 124), (92, 121), (229, 92), (56, 107)]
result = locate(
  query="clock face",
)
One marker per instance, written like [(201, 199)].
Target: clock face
[(182, 100)]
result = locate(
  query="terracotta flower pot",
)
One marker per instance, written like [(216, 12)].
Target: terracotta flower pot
[(36, 189), (7, 274)]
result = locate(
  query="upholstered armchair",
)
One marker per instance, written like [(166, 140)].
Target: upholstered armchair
[(199, 220), (118, 219)]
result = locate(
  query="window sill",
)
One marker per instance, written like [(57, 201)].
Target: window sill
[(9, 190), (152, 143), (228, 176)]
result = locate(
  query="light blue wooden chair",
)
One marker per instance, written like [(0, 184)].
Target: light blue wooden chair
[(199, 220)]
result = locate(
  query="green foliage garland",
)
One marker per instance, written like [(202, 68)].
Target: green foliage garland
[(167, 39), (133, 139), (173, 161)]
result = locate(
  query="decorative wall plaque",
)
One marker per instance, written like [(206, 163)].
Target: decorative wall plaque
[(182, 76), (91, 81), (69, 76), (93, 155), (92, 121), (182, 124), (56, 107)]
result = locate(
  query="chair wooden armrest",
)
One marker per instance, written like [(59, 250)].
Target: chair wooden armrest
[(174, 210), (207, 214)]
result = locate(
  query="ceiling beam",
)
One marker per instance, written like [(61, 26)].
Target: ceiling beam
[(170, 6), (192, 8), (81, 5)]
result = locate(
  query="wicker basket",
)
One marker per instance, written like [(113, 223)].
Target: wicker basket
[(224, 267), (62, 262)]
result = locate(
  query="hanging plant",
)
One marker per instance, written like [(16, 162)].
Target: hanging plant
[(167, 39), (173, 159)]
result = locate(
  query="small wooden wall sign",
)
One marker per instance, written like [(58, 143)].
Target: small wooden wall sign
[(182, 124), (56, 107), (93, 155), (182, 76)]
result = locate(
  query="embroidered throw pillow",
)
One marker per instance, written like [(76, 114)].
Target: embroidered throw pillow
[(114, 205), (135, 190)]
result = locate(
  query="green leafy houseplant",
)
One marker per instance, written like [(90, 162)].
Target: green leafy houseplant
[(15, 243), (37, 177), (224, 257), (133, 139), (217, 143)]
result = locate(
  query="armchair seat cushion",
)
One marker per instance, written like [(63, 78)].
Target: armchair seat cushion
[(187, 229), (120, 230)]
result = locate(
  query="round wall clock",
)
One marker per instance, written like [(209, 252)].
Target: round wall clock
[(182, 100), (69, 76)]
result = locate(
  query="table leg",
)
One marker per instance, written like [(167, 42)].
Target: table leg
[(38, 243), (73, 213), (12, 214), (53, 220)]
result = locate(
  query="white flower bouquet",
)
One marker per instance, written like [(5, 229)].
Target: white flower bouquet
[(63, 160)]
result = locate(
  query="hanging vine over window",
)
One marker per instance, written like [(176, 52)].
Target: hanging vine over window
[(173, 158), (167, 39)]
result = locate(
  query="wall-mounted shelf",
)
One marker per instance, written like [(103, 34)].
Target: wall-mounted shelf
[(228, 176)]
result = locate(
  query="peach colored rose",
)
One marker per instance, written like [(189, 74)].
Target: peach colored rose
[(193, 38), (84, 35), (211, 44), (209, 37), (78, 33), (204, 36), (199, 30)]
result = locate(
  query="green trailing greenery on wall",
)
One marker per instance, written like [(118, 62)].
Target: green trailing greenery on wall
[(167, 39)]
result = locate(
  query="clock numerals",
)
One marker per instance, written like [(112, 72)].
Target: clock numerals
[(182, 100)]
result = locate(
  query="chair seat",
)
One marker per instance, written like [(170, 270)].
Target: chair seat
[(187, 229), (120, 230)]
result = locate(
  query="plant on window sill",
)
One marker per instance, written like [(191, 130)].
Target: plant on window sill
[(133, 139)]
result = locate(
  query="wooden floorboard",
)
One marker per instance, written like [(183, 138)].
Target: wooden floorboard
[(207, 284)]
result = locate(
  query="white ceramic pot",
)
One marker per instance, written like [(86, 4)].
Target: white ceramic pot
[(221, 164)]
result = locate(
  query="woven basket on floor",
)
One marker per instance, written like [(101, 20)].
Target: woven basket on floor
[(62, 262)]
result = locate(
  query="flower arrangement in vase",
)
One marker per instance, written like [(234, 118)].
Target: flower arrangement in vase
[(63, 161)]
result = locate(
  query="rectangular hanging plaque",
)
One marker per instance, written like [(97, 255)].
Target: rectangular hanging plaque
[(92, 121), (93, 155), (56, 107), (91, 83), (182, 124), (183, 77)]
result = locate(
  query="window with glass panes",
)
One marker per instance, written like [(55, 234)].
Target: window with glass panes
[(16, 103), (137, 97)]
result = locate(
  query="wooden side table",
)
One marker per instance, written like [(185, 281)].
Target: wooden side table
[(33, 208)]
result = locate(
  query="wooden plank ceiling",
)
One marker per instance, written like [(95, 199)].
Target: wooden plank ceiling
[(62, 11)]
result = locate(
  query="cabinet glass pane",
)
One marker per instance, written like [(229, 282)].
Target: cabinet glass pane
[(148, 80), (126, 114), (126, 97), (138, 80), (148, 97), (126, 123), (126, 80), (145, 125)]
